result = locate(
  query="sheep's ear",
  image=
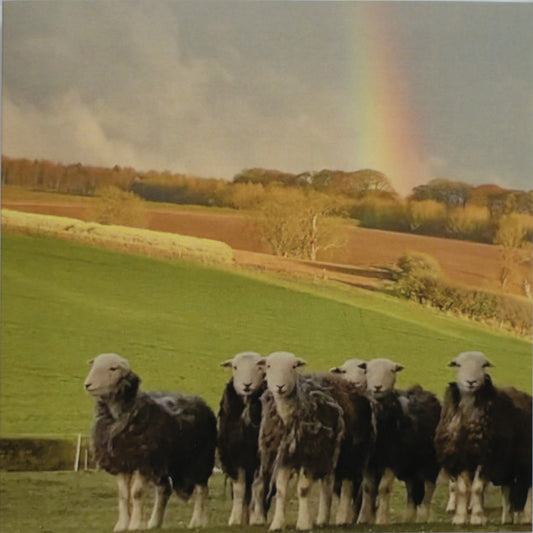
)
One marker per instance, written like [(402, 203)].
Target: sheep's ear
[(362, 365), (398, 368), (90, 362), (335, 370), (453, 363), (299, 362), (487, 364), (228, 362), (261, 362)]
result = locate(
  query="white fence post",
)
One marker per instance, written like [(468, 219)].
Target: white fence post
[(78, 451)]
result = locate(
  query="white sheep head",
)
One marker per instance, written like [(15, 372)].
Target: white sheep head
[(352, 371), (248, 376), (471, 370), (110, 376), (281, 372), (380, 375)]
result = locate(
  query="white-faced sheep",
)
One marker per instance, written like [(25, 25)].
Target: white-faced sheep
[(302, 429), (405, 429), (351, 370), (484, 434), (162, 438), (238, 423)]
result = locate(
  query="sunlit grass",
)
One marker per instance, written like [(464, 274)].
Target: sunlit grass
[(119, 237), (63, 303)]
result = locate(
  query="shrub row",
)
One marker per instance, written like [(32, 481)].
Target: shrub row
[(39, 454), (418, 278)]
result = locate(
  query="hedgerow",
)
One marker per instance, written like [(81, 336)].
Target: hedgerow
[(418, 277)]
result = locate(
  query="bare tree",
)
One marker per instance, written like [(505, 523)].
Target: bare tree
[(514, 238), (297, 223)]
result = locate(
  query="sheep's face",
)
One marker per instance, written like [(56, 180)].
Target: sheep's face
[(106, 371), (248, 376), (351, 371), (281, 372), (380, 375), (471, 370)]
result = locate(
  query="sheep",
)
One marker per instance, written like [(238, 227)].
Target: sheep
[(405, 428), (356, 443), (484, 434), (352, 371), (140, 437), (238, 423), (302, 428)]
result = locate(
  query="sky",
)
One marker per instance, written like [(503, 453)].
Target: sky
[(417, 90)]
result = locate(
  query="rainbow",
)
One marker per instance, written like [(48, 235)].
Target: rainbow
[(386, 129)]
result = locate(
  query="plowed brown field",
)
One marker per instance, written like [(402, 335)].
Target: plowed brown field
[(358, 260)]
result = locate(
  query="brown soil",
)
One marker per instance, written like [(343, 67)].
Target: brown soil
[(361, 260)]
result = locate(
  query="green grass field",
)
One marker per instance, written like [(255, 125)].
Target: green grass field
[(68, 502), (63, 303)]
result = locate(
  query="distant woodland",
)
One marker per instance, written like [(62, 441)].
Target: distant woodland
[(441, 207)]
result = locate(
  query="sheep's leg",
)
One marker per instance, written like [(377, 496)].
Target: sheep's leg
[(282, 481), (450, 507), (524, 516), (478, 517), (239, 491), (136, 497), (345, 510), (369, 490), (123, 483), (384, 492), (423, 510), (258, 514), (199, 513), (162, 494), (462, 498), (507, 516), (410, 508), (304, 521), (324, 502)]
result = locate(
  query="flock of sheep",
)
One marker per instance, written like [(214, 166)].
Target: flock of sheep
[(350, 430)]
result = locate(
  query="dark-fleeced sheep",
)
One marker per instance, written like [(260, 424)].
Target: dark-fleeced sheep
[(140, 437), (356, 444), (238, 424), (484, 434), (405, 428), (302, 429)]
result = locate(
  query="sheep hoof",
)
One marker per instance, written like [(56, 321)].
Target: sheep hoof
[(305, 525), (525, 519), (478, 520), (459, 520), (257, 521), (276, 525)]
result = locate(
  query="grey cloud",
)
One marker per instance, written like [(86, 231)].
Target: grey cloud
[(211, 87)]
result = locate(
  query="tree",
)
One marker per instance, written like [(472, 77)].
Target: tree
[(353, 184), (119, 207), (296, 223), (514, 238), (264, 176), (450, 193)]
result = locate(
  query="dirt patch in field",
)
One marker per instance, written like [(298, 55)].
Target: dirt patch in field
[(361, 260)]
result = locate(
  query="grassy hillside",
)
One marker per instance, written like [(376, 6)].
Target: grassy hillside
[(63, 303)]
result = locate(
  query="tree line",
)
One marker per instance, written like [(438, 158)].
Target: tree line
[(441, 207)]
